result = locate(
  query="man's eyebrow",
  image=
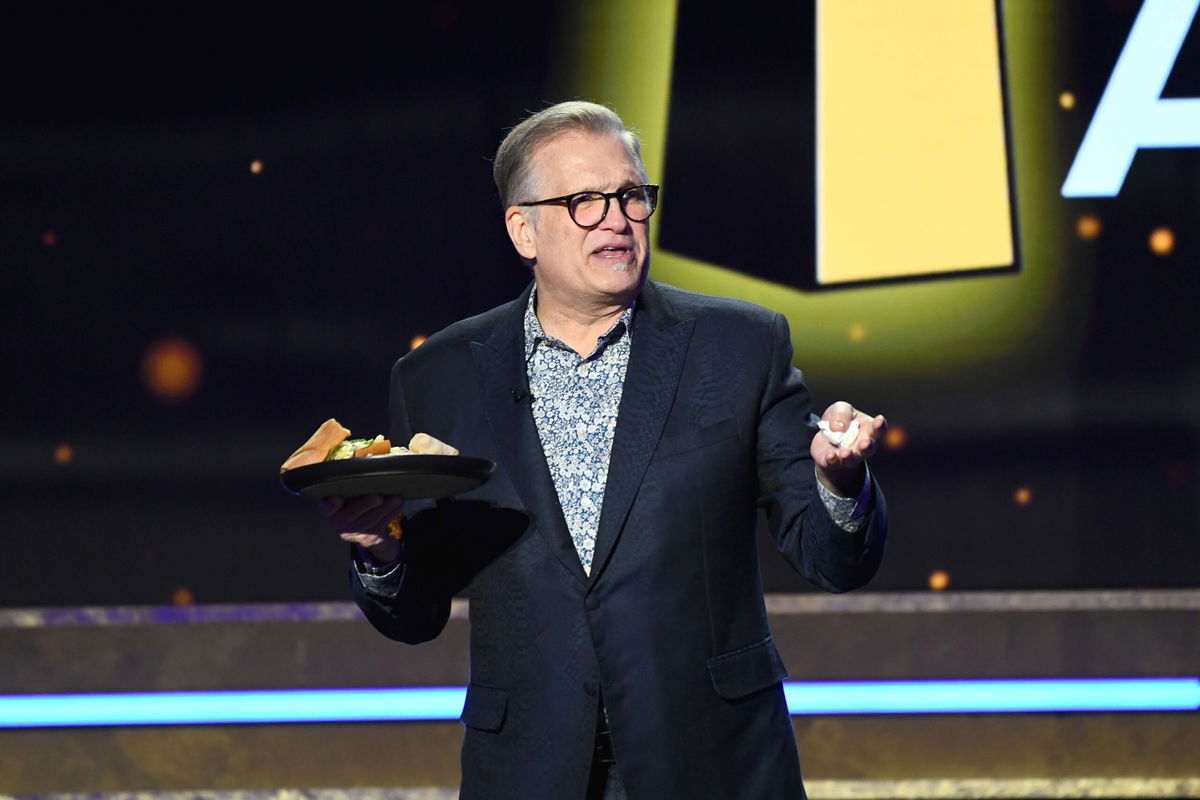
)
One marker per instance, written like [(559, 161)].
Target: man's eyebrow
[(622, 186)]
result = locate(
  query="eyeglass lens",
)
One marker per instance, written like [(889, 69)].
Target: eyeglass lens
[(589, 208)]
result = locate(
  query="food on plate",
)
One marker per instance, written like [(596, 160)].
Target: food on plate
[(358, 448), (316, 449), (331, 443), (426, 445)]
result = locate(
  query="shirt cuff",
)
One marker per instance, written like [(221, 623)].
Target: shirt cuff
[(849, 513), (382, 580)]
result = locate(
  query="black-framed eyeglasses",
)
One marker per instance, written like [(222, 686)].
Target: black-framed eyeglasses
[(588, 209)]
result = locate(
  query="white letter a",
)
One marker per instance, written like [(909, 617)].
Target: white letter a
[(1131, 114)]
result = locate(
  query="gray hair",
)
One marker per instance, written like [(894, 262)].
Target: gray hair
[(513, 166)]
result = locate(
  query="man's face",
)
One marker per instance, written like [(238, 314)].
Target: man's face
[(582, 268)]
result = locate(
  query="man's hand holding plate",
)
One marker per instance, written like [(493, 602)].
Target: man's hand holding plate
[(371, 521)]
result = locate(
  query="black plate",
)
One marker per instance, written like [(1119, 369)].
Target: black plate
[(407, 476)]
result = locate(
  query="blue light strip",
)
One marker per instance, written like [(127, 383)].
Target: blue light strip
[(356, 705), (208, 708), (968, 697)]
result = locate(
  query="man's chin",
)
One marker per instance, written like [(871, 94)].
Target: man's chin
[(630, 274)]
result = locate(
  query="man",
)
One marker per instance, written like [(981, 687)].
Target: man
[(619, 641)]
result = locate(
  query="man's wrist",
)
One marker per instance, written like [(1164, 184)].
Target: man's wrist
[(843, 483), (848, 513), (370, 562)]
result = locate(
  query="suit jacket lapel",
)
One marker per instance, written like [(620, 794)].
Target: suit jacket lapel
[(659, 346), (500, 364)]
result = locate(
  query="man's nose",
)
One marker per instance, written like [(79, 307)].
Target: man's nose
[(615, 219)]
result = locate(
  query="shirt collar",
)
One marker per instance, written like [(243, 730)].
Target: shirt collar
[(534, 332)]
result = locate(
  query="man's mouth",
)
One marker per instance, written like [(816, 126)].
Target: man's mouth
[(618, 257), (613, 252)]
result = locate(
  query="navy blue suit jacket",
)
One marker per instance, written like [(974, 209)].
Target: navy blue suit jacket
[(670, 626)]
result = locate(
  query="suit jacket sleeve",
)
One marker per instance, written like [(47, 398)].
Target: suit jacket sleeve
[(797, 519), (419, 605)]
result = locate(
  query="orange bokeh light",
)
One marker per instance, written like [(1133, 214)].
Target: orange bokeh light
[(1023, 496), (183, 597), (939, 580), (63, 454), (1088, 227), (171, 369), (1067, 100), (895, 438), (255, 166), (1162, 241), (416, 341), (857, 332), (50, 238)]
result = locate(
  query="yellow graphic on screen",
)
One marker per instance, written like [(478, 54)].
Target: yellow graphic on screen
[(912, 169), (979, 325)]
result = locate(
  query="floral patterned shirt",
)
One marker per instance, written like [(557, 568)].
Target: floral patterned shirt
[(575, 403)]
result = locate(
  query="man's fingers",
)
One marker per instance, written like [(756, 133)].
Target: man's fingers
[(874, 428), (356, 507), (329, 506), (364, 539), (839, 415), (870, 430), (377, 518), (843, 457), (865, 429), (368, 514), (831, 452)]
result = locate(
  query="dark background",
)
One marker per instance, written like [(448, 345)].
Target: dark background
[(129, 215)]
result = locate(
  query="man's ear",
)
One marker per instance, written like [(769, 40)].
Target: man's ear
[(520, 231)]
